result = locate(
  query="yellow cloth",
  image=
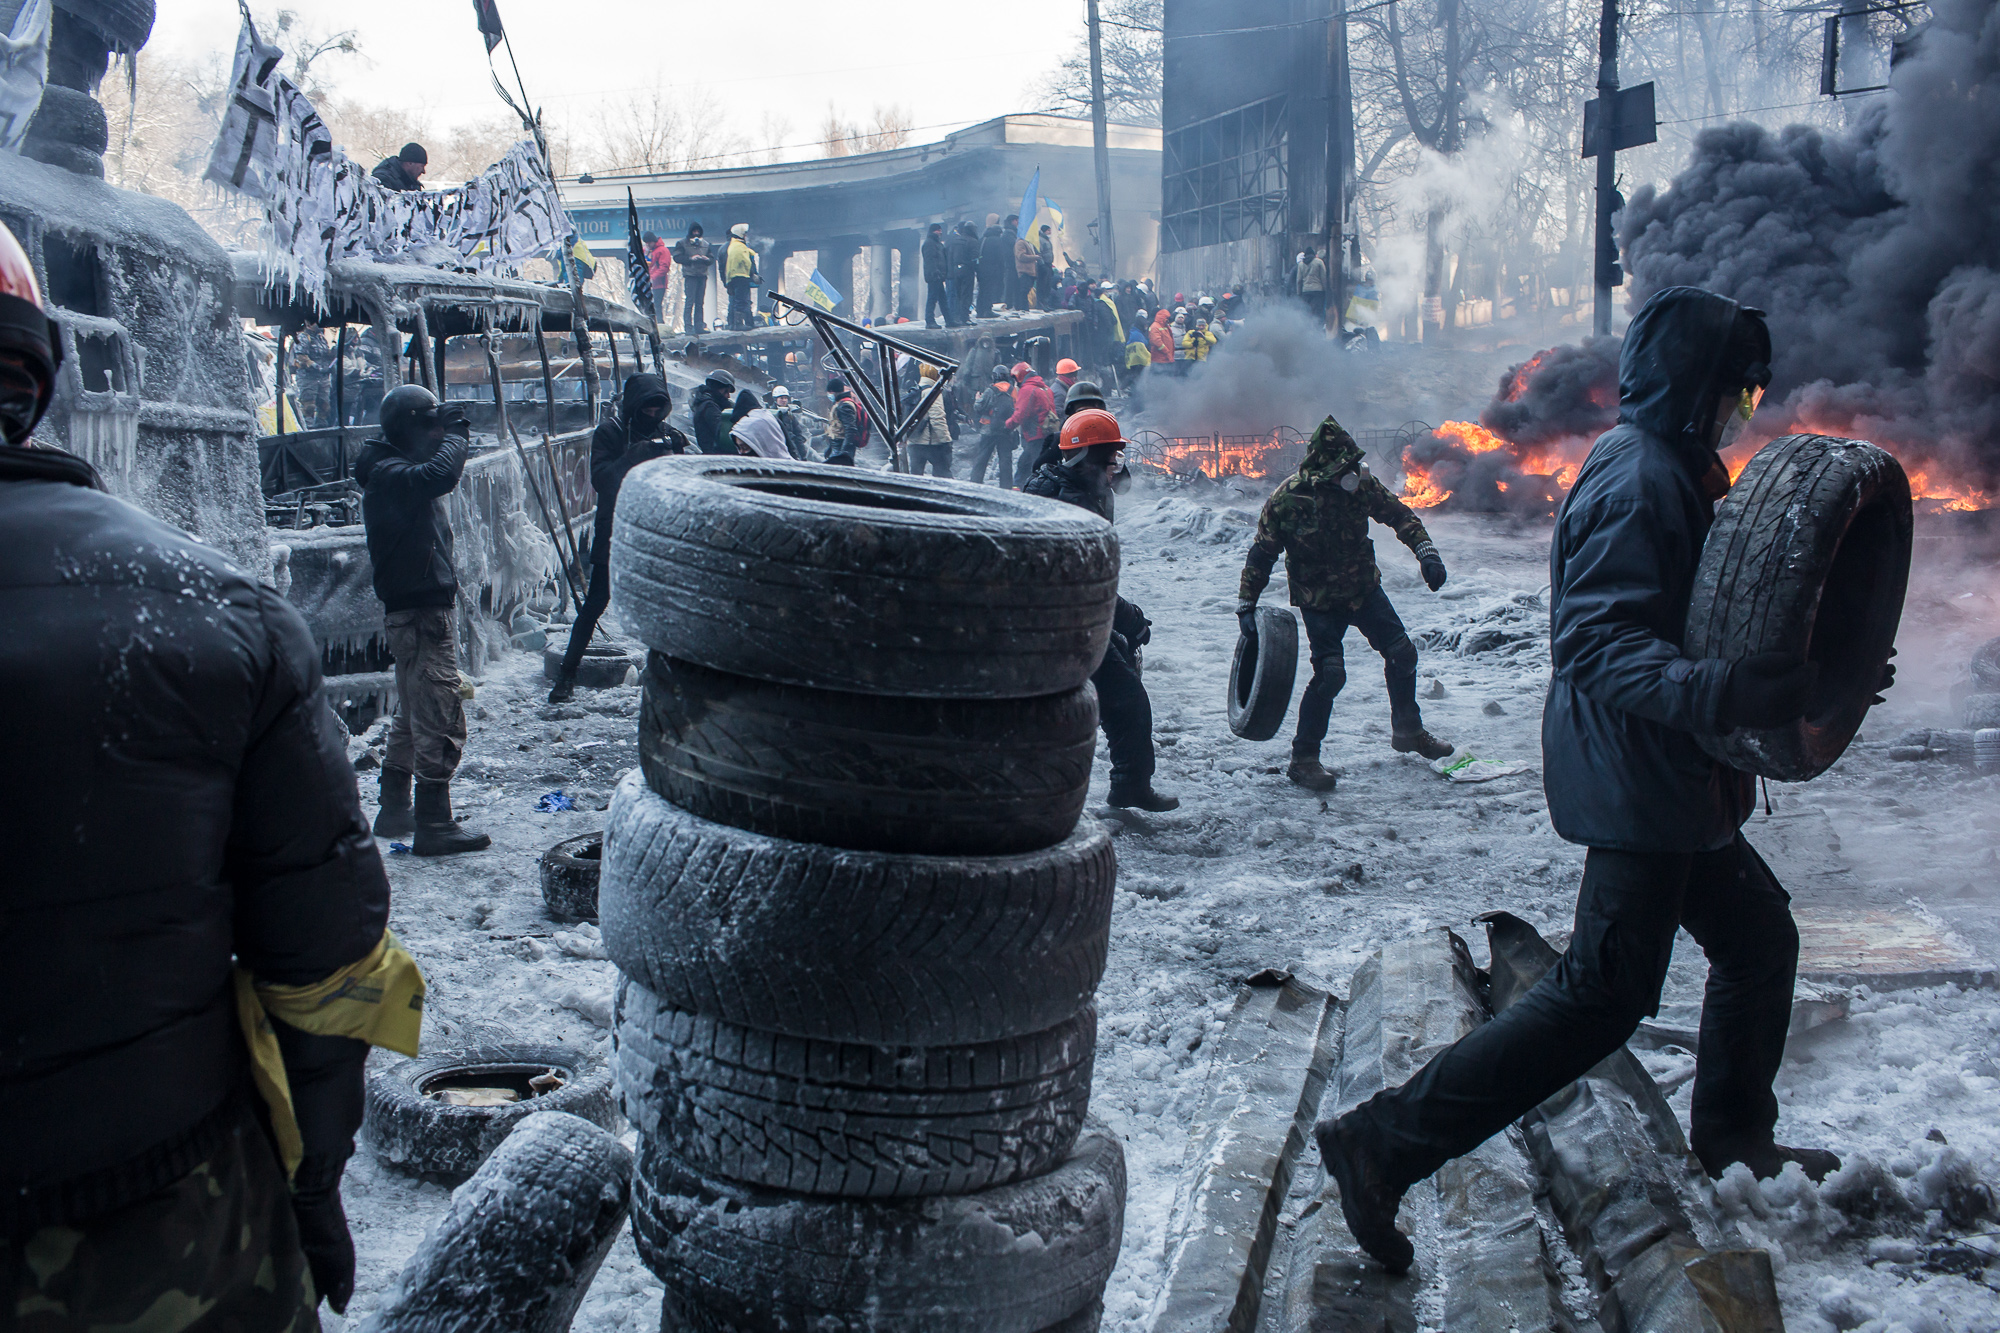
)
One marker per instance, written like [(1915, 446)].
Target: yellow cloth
[(379, 1000), (738, 261)]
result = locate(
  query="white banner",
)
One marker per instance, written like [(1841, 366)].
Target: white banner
[(24, 72)]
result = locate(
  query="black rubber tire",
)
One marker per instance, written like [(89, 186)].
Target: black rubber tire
[(1014, 1259), (1986, 667), (849, 946), (1261, 675), (128, 23), (1809, 554), (67, 116), (67, 157), (1982, 711), (869, 582), (522, 1239), (937, 777), (569, 877), (423, 1137), (840, 1118), (603, 666)]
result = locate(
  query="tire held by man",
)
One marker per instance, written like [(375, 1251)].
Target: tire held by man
[(1261, 675)]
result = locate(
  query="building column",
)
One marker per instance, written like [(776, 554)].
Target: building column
[(836, 262), (881, 279), (910, 283)]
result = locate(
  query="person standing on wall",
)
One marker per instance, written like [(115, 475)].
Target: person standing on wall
[(1045, 267), (996, 266), (1311, 281), (659, 270), (633, 432), (937, 280), (739, 274), (963, 253), (691, 252), (1026, 262)]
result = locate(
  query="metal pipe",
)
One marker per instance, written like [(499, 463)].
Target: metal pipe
[(340, 391), (548, 378), (528, 472), (1100, 145)]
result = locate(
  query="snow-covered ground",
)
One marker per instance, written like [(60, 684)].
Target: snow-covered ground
[(1252, 872)]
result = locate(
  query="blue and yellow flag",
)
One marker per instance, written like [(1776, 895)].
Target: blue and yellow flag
[(821, 292), (1025, 229)]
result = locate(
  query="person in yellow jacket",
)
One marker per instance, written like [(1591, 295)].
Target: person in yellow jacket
[(739, 274), (1197, 341)]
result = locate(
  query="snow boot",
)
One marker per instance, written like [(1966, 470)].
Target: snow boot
[(1420, 742), (395, 819), (1141, 797), (1764, 1158), (438, 834), (1311, 774), (1366, 1200), (565, 686)]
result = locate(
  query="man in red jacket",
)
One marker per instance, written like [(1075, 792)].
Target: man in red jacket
[(659, 267), (1035, 414)]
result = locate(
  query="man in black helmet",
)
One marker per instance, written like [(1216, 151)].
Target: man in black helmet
[(404, 478), (1626, 778), (634, 432), (710, 406), (404, 171)]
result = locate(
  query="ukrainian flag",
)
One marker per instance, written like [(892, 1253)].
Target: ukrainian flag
[(821, 292)]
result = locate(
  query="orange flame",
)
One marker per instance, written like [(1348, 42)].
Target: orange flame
[(1419, 491)]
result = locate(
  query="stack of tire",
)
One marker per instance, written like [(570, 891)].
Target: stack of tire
[(858, 929)]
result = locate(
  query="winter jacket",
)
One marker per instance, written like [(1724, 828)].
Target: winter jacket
[(991, 409), (938, 425), (409, 537), (1160, 339), (181, 804), (1138, 354), (709, 407), (846, 427), (1082, 486), (795, 432), (390, 174), (962, 251), (694, 257), (1196, 343), (1620, 761), (738, 261), (614, 452), (996, 258), (1322, 529), (1312, 275), (659, 264), (760, 434), (936, 268), (1025, 257), (1035, 413)]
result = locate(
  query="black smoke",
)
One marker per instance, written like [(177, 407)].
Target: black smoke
[(1566, 393)]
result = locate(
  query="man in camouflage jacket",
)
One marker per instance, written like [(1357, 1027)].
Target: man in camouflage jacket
[(1318, 520)]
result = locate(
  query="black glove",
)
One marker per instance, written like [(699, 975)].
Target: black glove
[(1246, 616), (323, 1236), (1888, 681), (1431, 564), (1768, 690), (455, 421)]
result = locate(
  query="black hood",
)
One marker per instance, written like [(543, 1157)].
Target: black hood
[(641, 389), (1672, 355)]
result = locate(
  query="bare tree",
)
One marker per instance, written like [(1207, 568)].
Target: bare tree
[(1131, 42), (889, 129)]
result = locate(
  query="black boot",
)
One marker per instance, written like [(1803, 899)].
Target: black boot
[(1420, 742), (1309, 773), (394, 819), (565, 686), (1764, 1158), (1366, 1200), (1141, 796), (438, 834)]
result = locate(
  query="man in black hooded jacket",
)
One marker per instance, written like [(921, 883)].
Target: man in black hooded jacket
[(712, 402), (404, 477), (404, 171), (962, 254), (1626, 778), (634, 432)]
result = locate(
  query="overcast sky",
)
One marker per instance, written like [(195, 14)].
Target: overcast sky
[(949, 64)]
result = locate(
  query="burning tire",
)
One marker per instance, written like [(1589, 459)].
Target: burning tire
[(862, 581), (603, 665), (569, 877), (856, 1121), (1013, 1259), (414, 1128), (847, 946), (971, 777), (1809, 554), (1261, 675)]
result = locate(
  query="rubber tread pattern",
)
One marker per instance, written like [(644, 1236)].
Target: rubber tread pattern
[(1015, 1259), (973, 777), (907, 587), (601, 667), (424, 1137), (1986, 667), (1258, 708), (1764, 570), (846, 1119), (872, 947), (569, 877)]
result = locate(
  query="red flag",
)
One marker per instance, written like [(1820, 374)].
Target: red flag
[(488, 12)]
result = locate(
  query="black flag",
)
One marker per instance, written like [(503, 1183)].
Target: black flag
[(488, 12), (637, 277)]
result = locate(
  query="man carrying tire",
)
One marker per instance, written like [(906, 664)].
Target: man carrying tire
[(1092, 457), (634, 432), (404, 477), (1318, 520), (1626, 778), (208, 903)]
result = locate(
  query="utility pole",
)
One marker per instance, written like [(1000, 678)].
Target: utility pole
[(1339, 163), (1607, 274), (1100, 142)]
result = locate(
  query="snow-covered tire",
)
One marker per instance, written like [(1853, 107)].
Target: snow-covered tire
[(522, 1239), (1013, 1259), (971, 777), (869, 582), (1986, 667), (847, 1119), (569, 877), (127, 23), (67, 116), (1261, 675), (875, 947), (425, 1137), (1809, 554), (602, 666), (1982, 711)]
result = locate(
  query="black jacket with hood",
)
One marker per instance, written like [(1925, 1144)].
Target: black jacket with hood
[(996, 258), (1620, 762), (409, 536), (180, 804), (962, 251), (710, 406), (614, 452), (390, 174)]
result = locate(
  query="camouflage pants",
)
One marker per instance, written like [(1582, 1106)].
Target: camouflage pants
[(217, 1251), (428, 735)]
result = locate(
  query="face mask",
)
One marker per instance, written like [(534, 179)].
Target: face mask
[(1735, 414), (1351, 481)]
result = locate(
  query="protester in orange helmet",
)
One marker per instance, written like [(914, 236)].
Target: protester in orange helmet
[(1092, 458), (1066, 373)]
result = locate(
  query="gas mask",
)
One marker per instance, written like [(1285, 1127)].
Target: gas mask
[(1351, 481), (1733, 415)]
